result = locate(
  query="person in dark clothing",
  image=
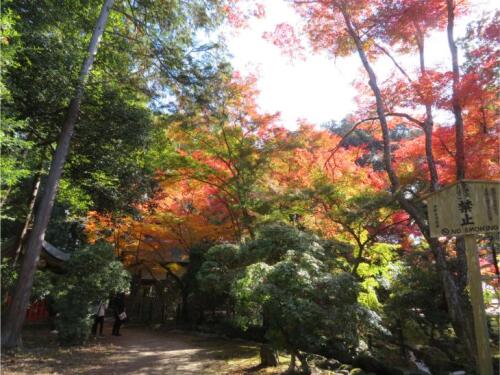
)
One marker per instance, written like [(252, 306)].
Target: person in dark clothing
[(118, 312)]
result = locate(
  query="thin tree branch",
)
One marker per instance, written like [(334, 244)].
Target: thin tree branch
[(388, 54)]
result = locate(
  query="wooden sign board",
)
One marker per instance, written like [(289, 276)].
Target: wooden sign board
[(464, 208)]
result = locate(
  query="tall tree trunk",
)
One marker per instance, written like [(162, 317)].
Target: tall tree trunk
[(29, 216), (429, 119), (268, 355), (304, 367), (292, 367), (460, 280), (460, 162), (247, 221), (459, 135), (457, 107), (393, 178), (16, 313), (456, 304)]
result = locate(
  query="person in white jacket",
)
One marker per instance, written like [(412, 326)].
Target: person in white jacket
[(99, 313)]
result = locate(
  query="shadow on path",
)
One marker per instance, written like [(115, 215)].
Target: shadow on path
[(137, 351)]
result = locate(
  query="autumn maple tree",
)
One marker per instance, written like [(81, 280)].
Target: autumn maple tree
[(226, 143), (210, 188), (309, 238), (385, 29)]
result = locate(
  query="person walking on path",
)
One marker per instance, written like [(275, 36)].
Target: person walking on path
[(100, 312), (119, 313)]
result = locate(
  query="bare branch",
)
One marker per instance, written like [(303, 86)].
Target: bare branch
[(416, 121), (344, 137), (388, 54)]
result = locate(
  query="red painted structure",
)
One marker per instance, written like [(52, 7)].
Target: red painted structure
[(37, 311)]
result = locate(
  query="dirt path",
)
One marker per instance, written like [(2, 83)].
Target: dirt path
[(144, 352), (138, 351)]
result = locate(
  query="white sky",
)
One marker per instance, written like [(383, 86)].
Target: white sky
[(318, 89)]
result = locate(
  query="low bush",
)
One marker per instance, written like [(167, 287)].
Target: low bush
[(92, 274)]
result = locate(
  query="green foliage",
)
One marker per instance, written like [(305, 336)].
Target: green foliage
[(218, 270), (376, 273), (284, 282), (13, 144), (273, 240), (248, 295), (300, 301), (42, 283), (13, 167), (416, 294), (74, 196), (109, 165), (223, 141), (92, 273), (9, 277), (46, 43), (157, 98)]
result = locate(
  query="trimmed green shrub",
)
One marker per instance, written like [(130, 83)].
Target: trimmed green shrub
[(93, 273)]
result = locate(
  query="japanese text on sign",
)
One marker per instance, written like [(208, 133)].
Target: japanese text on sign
[(467, 207)]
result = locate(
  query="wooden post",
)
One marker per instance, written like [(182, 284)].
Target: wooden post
[(478, 310), (466, 208)]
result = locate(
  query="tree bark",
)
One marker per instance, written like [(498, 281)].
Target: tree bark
[(457, 107), (429, 119), (247, 222), (304, 366), (459, 283), (31, 207), (292, 368), (16, 313), (456, 304), (268, 356), (460, 170), (393, 178)]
